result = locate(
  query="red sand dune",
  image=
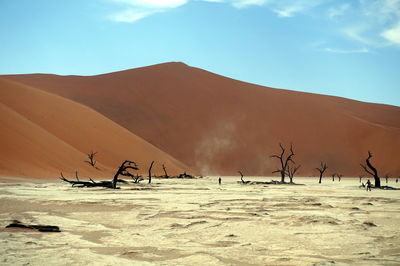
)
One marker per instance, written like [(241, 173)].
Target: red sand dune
[(43, 134), (218, 125)]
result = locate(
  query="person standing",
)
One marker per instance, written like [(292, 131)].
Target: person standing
[(368, 185)]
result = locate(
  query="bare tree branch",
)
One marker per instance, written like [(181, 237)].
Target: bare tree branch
[(92, 162), (321, 170), (283, 161), (372, 170), (291, 171)]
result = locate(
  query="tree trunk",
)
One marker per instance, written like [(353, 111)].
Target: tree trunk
[(377, 181), (151, 166), (115, 179), (375, 172), (283, 176), (165, 171)]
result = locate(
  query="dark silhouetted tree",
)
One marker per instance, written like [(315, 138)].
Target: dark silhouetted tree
[(321, 171), (151, 166), (124, 171), (370, 169), (291, 171), (283, 161), (165, 171), (241, 177), (92, 162)]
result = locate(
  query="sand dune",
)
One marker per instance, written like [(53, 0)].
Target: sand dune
[(220, 125), (43, 134)]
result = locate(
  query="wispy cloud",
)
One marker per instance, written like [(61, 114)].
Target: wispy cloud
[(131, 15), (286, 9), (338, 11), (342, 51), (134, 10), (392, 34), (372, 23), (358, 33), (246, 3), (153, 3)]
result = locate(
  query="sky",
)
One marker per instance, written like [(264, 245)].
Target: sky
[(344, 48)]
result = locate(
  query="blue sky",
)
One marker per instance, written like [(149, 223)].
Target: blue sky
[(344, 48)]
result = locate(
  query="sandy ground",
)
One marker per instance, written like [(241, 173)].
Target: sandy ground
[(198, 222)]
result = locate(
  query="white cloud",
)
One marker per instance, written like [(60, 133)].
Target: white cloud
[(289, 8), (381, 11), (373, 23), (153, 3), (334, 12), (357, 33), (342, 51), (134, 10), (246, 3), (214, 1), (392, 34), (288, 11), (130, 15)]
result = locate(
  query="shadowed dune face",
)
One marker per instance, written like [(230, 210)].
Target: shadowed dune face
[(43, 134), (218, 125)]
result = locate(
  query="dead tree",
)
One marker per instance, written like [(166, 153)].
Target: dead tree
[(321, 171), (77, 183), (136, 179), (339, 176), (91, 161), (185, 175), (123, 170), (292, 171), (38, 227), (370, 169), (165, 171), (151, 166), (283, 161), (333, 177), (361, 177), (91, 183), (241, 178)]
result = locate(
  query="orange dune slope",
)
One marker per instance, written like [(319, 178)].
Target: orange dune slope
[(42, 134), (219, 125)]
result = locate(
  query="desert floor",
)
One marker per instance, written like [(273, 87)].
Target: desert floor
[(198, 222)]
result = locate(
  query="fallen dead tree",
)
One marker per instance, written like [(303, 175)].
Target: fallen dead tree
[(184, 175), (91, 183), (272, 182), (38, 227), (123, 170)]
